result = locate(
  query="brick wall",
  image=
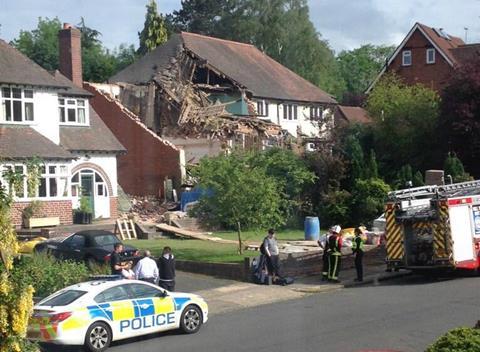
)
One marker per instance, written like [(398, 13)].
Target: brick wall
[(70, 58), (142, 170), (434, 76), (113, 208), (60, 208)]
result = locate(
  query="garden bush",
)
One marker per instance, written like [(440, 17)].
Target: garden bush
[(47, 275), (458, 340)]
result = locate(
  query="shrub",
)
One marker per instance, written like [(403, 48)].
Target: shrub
[(48, 275), (457, 340)]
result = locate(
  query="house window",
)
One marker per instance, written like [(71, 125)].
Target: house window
[(16, 105), (52, 182), (316, 113), (99, 186), (430, 56), (289, 112), (72, 111), (262, 108), (406, 58)]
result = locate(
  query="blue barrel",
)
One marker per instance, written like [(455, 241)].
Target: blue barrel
[(312, 228)]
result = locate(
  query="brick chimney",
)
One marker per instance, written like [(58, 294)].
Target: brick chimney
[(70, 50)]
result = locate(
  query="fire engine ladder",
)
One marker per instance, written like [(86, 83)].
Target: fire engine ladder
[(412, 193), (456, 187)]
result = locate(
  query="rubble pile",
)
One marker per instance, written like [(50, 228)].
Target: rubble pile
[(149, 209)]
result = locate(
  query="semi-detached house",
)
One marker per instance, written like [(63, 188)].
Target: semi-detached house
[(48, 115)]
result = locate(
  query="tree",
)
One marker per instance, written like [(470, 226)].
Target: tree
[(371, 167), (368, 198), (405, 122), (453, 166), (154, 32), (41, 46), (460, 118), (359, 67), (355, 156), (242, 196), (16, 297)]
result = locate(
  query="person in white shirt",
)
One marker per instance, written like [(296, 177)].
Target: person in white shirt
[(127, 272), (146, 269)]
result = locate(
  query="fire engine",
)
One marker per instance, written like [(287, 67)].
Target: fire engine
[(434, 227)]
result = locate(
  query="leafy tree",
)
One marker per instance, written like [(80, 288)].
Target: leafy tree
[(154, 32), (460, 118), (371, 167), (359, 67), (41, 44), (418, 179), (405, 122), (368, 197), (453, 166), (243, 195), (355, 155)]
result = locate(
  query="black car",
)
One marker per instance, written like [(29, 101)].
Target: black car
[(91, 246)]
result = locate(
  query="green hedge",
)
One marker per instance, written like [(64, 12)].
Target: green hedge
[(458, 340), (48, 275)]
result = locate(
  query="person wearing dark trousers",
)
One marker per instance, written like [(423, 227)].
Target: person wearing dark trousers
[(323, 243), (146, 269), (166, 270), (335, 254), (271, 253), (357, 247)]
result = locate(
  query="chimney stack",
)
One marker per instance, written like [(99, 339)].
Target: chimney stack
[(70, 50)]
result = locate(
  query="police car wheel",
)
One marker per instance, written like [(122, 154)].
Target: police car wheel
[(191, 319), (98, 337)]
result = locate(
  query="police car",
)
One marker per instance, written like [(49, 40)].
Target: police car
[(95, 313)]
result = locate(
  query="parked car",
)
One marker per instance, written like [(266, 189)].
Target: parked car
[(96, 313), (91, 246)]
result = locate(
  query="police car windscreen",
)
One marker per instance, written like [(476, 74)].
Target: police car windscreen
[(64, 298)]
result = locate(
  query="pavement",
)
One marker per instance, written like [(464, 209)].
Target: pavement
[(228, 295)]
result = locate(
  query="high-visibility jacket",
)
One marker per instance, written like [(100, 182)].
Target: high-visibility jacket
[(357, 244), (335, 244)]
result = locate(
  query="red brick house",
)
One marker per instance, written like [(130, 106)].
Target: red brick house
[(428, 56), (346, 115)]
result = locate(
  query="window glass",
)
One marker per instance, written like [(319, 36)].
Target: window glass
[(28, 111), (117, 293), (406, 58), (75, 178), (71, 115), (27, 93), (77, 241), (42, 188), (143, 291), (6, 92), (71, 102), (61, 111), (7, 110), (81, 102), (81, 115), (105, 240), (53, 187), (64, 298), (51, 169), (98, 178), (17, 110), (16, 93)]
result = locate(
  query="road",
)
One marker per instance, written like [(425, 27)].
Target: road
[(401, 315)]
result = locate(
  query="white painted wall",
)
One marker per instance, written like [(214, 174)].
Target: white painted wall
[(195, 149), (46, 116), (108, 163), (307, 127)]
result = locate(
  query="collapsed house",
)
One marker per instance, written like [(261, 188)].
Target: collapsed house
[(206, 95)]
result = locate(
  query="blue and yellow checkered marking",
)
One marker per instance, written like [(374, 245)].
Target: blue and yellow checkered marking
[(180, 302)]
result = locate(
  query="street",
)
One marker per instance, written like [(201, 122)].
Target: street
[(405, 315)]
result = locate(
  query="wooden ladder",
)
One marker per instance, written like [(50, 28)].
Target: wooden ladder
[(126, 229)]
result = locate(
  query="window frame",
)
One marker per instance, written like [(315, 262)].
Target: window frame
[(23, 104), (427, 58), (290, 112), (73, 104), (404, 55), (262, 108), (316, 113), (61, 172)]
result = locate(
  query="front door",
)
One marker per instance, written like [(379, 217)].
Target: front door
[(86, 183)]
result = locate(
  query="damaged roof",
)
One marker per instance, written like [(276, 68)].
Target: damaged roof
[(16, 68), (96, 137), (240, 62), (72, 90), (20, 142)]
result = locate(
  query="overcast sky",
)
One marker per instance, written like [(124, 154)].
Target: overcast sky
[(346, 24)]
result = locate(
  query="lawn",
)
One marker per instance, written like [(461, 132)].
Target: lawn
[(206, 251)]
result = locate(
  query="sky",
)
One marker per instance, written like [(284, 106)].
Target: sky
[(346, 24)]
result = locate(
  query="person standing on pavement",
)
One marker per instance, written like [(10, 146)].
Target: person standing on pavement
[(146, 269), (335, 254), (166, 269), (116, 262), (271, 253), (323, 243), (357, 248)]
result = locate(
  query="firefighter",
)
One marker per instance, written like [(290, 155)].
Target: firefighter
[(357, 248), (323, 243), (335, 253)]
